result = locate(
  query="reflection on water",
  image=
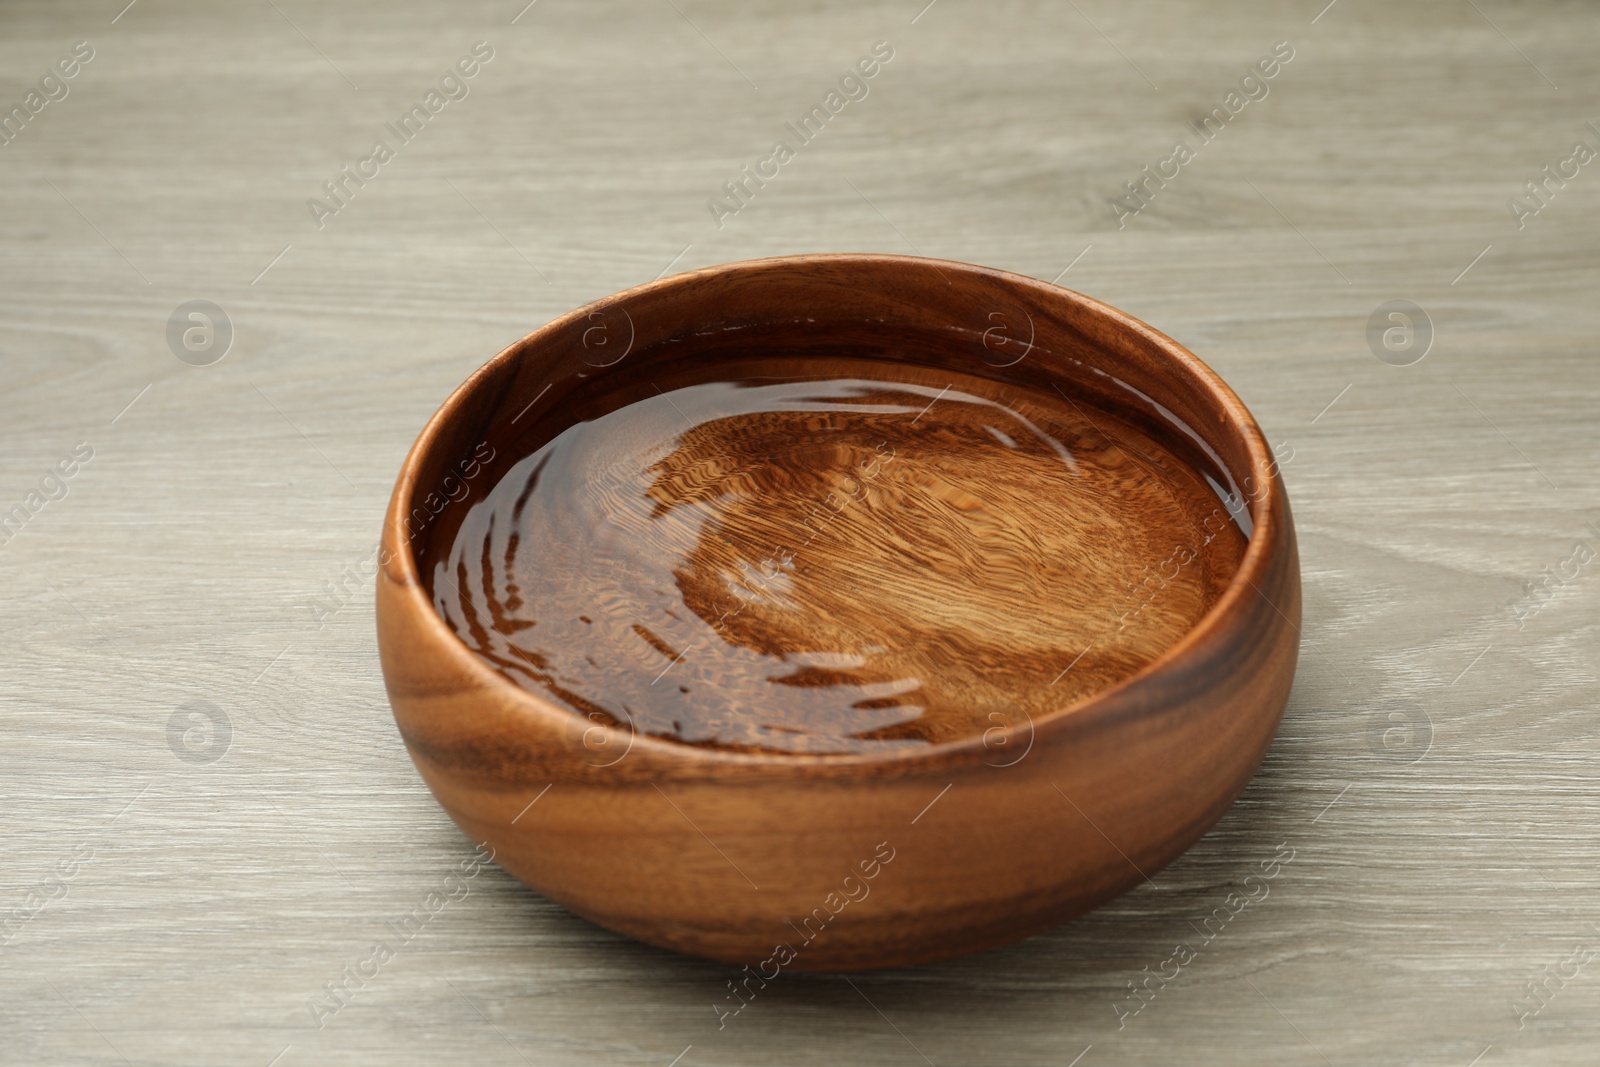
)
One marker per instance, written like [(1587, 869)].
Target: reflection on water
[(834, 566)]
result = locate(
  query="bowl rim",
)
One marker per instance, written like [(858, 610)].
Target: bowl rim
[(1266, 504)]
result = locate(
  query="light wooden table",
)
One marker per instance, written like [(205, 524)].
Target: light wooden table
[(1435, 775)]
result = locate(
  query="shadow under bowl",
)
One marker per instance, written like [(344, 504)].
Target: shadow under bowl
[(867, 858)]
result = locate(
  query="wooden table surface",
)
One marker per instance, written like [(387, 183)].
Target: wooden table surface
[(208, 815)]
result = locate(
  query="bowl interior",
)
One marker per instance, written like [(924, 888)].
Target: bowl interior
[(935, 331)]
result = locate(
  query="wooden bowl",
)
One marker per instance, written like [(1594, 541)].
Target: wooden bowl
[(785, 861)]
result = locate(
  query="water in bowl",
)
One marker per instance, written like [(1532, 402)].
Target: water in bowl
[(837, 562)]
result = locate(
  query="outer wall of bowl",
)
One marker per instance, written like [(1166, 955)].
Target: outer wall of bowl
[(856, 863)]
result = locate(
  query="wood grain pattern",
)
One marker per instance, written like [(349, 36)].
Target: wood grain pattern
[(193, 556), (821, 553)]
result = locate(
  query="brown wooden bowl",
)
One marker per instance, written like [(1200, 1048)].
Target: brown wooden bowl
[(856, 861)]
